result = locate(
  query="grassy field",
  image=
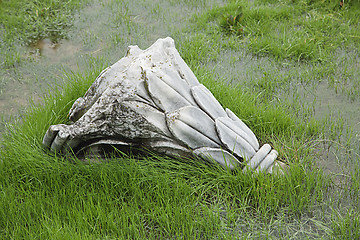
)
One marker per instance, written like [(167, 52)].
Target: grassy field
[(25, 22), (258, 72)]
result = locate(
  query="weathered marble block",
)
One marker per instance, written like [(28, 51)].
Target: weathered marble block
[(150, 99)]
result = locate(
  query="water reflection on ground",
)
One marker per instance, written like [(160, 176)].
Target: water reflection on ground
[(100, 29), (43, 47), (106, 29)]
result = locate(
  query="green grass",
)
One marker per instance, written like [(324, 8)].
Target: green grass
[(346, 226), (46, 196), (24, 22), (307, 42), (300, 30)]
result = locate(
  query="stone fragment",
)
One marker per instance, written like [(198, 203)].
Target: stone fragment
[(193, 127), (150, 101), (243, 126), (164, 95), (234, 142), (223, 157), (268, 161), (259, 156), (151, 114), (236, 128), (207, 102)]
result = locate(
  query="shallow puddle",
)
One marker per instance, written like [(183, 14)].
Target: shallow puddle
[(43, 47), (315, 97), (105, 29), (53, 52), (102, 29)]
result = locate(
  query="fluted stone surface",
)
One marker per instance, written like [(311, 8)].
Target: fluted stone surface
[(150, 99)]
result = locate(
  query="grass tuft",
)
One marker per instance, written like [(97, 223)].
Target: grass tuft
[(299, 30), (47, 196), (24, 22)]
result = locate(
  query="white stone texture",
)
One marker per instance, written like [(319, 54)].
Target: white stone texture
[(151, 100)]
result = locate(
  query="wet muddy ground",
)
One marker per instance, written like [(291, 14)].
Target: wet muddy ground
[(104, 30), (100, 30)]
